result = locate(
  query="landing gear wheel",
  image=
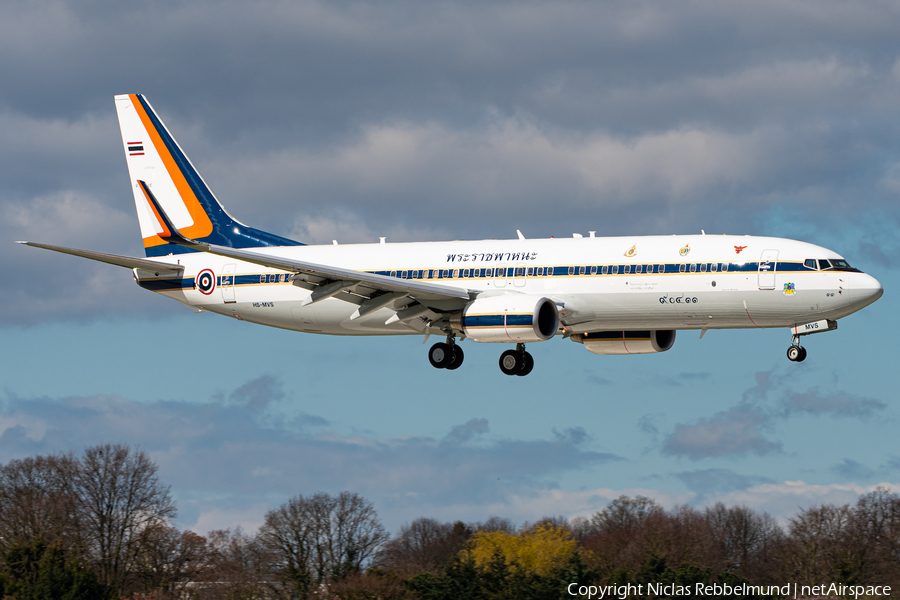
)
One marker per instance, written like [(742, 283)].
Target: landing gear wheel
[(527, 365), (511, 362), (457, 358), (796, 353), (440, 355)]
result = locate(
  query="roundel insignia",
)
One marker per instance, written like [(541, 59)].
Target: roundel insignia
[(205, 281)]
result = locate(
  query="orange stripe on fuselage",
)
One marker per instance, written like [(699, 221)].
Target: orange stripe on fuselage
[(202, 226)]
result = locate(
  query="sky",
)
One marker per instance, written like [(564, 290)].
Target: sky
[(440, 121)]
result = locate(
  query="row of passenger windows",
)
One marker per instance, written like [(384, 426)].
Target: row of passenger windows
[(540, 271)]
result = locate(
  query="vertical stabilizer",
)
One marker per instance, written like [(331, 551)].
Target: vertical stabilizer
[(155, 157)]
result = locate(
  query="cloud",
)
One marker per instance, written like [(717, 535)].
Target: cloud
[(709, 481), (233, 450), (783, 500), (851, 470), (838, 404), (740, 430), (734, 432)]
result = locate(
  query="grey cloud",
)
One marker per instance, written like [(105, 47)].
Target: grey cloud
[(461, 434), (839, 404), (711, 481), (236, 449), (851, 470), (735, 432)]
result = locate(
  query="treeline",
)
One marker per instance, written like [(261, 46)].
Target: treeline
[(99, 526)]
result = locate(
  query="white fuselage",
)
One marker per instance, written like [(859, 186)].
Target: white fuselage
[(612, 283)]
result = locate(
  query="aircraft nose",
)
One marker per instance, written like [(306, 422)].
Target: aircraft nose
[(865, 291)]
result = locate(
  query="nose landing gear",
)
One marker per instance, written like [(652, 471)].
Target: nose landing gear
[(796, 353), (516, 362)]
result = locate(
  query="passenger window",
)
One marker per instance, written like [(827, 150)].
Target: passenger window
[(682, 268), (637, 268), (488, 272), (445, 274), (724, 267), (393, 273), (404, 274), (262, 278), (615, 270), (594, 270), (476, 272), (540, 271), (581, 270), (649, 268), (530, 271), (604, 270), (627, 269), (703, 268), (713, 267), (693, 267), (465, 273), (662, 269), (571, 270), (455, 273)]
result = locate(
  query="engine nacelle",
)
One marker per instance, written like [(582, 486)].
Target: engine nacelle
[(626, 342), (508, 318)]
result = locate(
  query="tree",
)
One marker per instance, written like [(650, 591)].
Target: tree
[(121, 502), (425, 545), (235, 567), (321, 538), (537, 551), (37, 500), (745, 538), (41, 572)]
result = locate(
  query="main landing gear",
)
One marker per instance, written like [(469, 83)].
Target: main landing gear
[(516, 362), (446, 355), (796, 353)]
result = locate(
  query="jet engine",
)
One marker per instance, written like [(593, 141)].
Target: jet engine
[(626, 342), (508, 318)]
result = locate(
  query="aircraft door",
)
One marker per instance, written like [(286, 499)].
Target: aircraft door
[(500, 277), (518, 276), (768, 264), (228, 283)]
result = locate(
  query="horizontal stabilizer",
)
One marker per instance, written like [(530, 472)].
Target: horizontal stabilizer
[(112, 259)]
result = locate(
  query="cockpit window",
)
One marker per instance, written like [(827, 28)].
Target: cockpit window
[(810, 262), (824, 264), (840, 264)]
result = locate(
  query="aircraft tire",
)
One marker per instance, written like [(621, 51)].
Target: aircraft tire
[(794, 353), (457, 360), (440, 355), (802, 356), (527, 365), (510, 362)]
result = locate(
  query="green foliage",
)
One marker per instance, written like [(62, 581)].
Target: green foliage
[(36, 571), (499, 580)]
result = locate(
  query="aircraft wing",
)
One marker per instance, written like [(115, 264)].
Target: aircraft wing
[(112, 259), (369, 290)]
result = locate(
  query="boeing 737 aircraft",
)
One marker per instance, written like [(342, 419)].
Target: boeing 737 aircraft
[(614, 295)]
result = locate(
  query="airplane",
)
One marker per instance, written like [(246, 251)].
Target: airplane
[(613, 295)]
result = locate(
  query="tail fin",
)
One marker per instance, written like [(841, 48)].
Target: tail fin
[(155, 157)]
